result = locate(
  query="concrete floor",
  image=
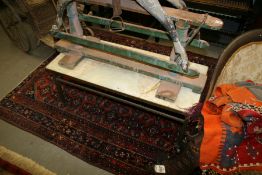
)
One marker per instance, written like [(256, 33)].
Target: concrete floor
[(15, 66)]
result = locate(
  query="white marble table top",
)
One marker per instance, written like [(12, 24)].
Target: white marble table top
[(128, 82)]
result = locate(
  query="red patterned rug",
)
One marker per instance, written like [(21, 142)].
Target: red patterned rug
[(108, 134)]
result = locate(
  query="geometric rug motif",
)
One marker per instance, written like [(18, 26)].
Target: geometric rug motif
[(110, 135), (113, 136)]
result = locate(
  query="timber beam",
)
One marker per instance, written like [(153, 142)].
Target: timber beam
[(194, 19), (197, 84), (135, 54), (137, 29)]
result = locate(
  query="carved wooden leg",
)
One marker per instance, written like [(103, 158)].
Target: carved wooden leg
[(155, 9)]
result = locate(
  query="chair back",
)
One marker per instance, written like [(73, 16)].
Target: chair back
[(240, 61)]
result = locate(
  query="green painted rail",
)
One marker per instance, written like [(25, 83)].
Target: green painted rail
[(137, 29), (96, 44), (91, 43), (127, 26), (195, 88)]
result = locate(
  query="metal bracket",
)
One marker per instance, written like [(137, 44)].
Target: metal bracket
[(194, 32), (116, 29)]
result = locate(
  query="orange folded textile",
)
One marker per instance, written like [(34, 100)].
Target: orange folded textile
[(232, 130)]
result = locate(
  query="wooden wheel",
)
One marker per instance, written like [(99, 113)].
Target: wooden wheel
[(20, 32), (8, 22)]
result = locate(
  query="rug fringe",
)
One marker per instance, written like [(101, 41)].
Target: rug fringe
[(22, 162)]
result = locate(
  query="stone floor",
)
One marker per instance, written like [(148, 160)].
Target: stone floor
[(15, 66)]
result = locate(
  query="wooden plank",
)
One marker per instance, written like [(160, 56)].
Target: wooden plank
[(137, 28), (70, 60), (196, 84), (126, 83), (193, 18), (128, 52), (128, 26), (168, 91)]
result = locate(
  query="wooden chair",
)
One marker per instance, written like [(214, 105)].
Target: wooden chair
[(240, 61)]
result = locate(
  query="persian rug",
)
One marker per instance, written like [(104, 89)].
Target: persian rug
[(12, 163), (108, 134)]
